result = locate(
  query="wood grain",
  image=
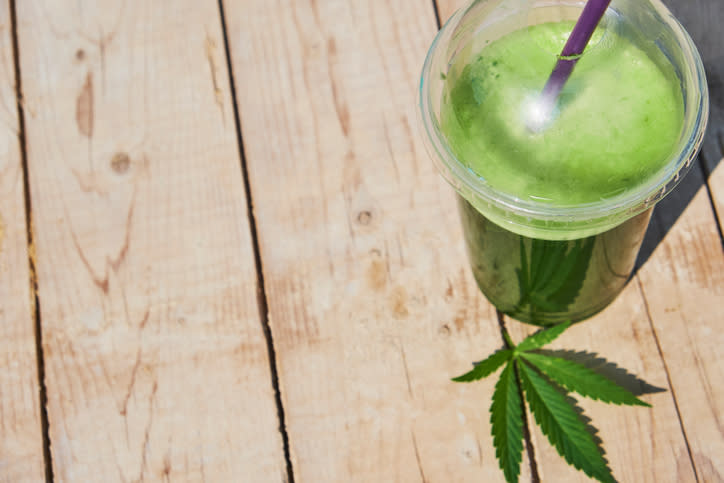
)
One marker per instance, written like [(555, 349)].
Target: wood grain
[(371, 303), (21, 443), (155, 358)]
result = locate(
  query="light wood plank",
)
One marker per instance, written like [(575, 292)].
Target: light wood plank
[(683, 283), (156, 362), (21, 443), (371, 302)]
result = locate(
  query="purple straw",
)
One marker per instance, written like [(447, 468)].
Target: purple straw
[(576, 44)]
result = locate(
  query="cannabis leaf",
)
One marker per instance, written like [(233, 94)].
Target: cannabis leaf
[(543, 379)]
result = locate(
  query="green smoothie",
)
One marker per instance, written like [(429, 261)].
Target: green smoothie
[(615, 126)]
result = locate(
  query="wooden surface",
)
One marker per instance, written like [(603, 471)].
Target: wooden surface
[(169, 317), (155, 359)]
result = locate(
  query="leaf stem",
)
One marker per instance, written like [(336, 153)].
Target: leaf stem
[(508, 341)]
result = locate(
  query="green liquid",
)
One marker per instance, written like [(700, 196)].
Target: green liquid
[(546, 282), (616, 124)]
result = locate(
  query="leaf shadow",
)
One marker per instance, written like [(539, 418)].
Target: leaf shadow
[(608, 369)]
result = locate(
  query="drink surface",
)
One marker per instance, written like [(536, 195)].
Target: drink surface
[(615, 125)]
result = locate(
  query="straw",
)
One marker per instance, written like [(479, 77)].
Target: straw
[(576, 44)]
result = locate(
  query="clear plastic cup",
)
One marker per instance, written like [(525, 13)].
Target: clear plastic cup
[(545, 261)]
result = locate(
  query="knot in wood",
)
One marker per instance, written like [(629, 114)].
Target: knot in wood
[(120, 163), (364, 217)]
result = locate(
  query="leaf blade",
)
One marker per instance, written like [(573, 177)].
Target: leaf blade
[(543, 337), (486, 367), (563, 427), (506, 418), (586, 382)]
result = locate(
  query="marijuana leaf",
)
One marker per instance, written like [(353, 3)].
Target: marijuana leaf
[(578, 378), (563, 427), (506, 417), (486, 367), (543, 378)]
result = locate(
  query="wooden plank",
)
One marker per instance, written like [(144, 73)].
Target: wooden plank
[(683, 283), (21, 442), (156, 362), (371, 302)]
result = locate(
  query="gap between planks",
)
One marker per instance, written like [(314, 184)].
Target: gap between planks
[(262, 302), (33, 281)]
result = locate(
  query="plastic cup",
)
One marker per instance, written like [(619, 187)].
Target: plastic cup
[(545, 262)]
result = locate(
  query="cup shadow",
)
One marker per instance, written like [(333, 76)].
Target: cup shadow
[(668, 211), (703, 20)]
